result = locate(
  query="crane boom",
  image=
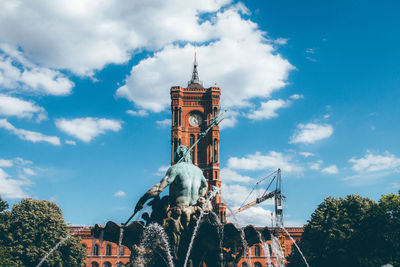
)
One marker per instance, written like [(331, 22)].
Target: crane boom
[(253, 203)]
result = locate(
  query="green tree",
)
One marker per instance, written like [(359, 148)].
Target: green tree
[(5, 255), (36, 226), (352, 231)]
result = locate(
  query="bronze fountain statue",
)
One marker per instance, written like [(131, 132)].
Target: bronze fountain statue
[(182, 230)]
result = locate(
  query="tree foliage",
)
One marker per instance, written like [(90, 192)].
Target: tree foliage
[(33, 228), (352, 231)]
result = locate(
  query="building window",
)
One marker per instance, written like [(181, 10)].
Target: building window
[(121, 251), (120, 264), (175, 117), (107, 264), (215, 150), (108, 250), (244, 264), (216, 175), (193, 150), (257, 264), (95, 264), (256, 251), (215, 112), (95, 251)]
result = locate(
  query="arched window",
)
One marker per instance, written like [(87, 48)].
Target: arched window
[(216, 175), (244, 264), (179, 117), (121, 251), (215, 111), (95, 251), (108, 250), (256, 251), (257, 264), (215, 150), (107, 264), (120, 264), (95, 264), (193, 150), (175, 116)]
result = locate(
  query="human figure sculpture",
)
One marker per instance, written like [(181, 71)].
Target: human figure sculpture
[(178, 214)]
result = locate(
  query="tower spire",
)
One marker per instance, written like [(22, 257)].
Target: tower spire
[(195, 74)]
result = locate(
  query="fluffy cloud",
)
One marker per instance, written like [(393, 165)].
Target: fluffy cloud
[(273, 160), (307, 154), (6, 163), (268, 109), (120, 193), (162, 170), (228, 175), (29, 135), (139, 113), (12, 188), (12, 106), (70, 142), (310, 133), (87, 128), (21, 75), (251, 67), (332, 169), (164, 123), (316, 165), (84, 36), (374, 163)]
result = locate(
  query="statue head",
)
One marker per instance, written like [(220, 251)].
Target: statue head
[(180, 152)]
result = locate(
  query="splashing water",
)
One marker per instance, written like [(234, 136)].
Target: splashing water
[(277, 250), (294, 242), (245, 247), (121, 235), (265, 248), (152, 233), (196, 228), (58, 245)]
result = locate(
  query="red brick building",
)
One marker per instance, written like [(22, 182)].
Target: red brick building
[(104, 254)]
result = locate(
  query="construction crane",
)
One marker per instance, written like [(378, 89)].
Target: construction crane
[(276, 194), (278, 197)]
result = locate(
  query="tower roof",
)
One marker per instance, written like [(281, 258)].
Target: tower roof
[(195, 75)]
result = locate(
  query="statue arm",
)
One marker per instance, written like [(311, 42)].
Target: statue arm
[(155, 190), (203, 186)]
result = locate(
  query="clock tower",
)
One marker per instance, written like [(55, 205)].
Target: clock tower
[(192, 108)]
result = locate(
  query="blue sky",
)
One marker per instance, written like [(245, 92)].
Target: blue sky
[(312, 87)]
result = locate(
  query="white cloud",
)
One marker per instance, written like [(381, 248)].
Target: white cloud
[(162, 170), (19, 74), (29, 135), (332, 169), (6, 163), (120, 193), (316, 165), (228, 175), (29, 171), (12, 106), (87, 128), (307, 154), (310, 51), (268, 109), (70, 142), (139, 113), (73, 34), (229, 119), (257, 216), (164, 123), (251, 67), (310, 133), (12, 188), (374, 163), (273, 160), (296, 96), (281, 41)]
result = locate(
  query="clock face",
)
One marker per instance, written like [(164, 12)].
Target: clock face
[(195, 120)]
